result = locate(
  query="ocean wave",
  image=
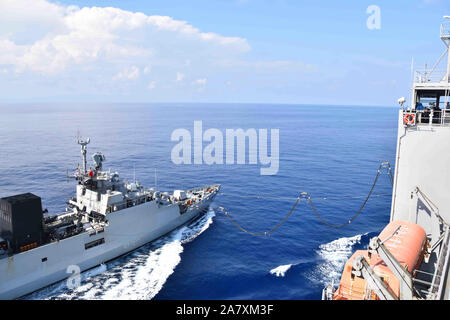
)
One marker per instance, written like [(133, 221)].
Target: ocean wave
[(139, 275)]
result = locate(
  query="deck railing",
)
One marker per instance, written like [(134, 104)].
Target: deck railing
[(430, 76), (439, 279), (445, 30), (148, 197), (430, 118)]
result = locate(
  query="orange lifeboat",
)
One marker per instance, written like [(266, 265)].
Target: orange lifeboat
[(407, 246)]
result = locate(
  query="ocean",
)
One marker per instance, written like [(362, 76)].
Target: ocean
[(331, 152)]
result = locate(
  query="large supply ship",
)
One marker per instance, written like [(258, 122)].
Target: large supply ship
[(107, 218), (410, 257)]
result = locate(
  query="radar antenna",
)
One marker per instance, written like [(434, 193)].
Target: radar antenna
[(98, 159)]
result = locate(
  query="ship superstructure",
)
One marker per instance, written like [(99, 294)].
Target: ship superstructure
[(107, 218), (410, 258)]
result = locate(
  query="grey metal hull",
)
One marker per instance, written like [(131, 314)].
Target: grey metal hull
[(128, 229)]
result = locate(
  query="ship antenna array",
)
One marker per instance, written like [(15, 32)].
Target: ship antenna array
[(83, 144), (306, 196)]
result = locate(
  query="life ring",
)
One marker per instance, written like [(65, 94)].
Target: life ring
[(409, 119)]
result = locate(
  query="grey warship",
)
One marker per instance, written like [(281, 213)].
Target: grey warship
[(107, 218)]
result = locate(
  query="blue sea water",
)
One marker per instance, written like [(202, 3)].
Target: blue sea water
[(328, 151)]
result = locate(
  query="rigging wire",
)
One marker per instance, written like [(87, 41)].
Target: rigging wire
[(261, 233), (262, 196), (307, 197)]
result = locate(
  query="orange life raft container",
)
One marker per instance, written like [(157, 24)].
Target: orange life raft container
[(407, 246)]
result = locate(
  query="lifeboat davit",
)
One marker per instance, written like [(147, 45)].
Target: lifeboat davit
[(407, 245)]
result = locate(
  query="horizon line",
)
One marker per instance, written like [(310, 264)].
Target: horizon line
[(229, 103)]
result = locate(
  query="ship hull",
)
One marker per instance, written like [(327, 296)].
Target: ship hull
[(127, 230)]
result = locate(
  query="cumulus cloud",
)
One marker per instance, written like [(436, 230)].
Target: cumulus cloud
[(131, 73), (52, 50), (67, 36)]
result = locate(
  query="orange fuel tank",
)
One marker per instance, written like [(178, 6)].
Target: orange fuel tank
[(407, 246)]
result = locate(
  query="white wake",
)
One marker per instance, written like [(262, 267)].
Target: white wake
[(141, 276), (334, 254), (280, 271)]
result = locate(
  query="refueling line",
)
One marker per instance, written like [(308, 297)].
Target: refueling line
[(307, 197)]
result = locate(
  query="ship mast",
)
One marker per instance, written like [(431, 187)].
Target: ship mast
[(83, 144), (445, 37)]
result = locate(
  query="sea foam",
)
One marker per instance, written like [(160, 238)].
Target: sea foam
[(280, 271), (334, 255)]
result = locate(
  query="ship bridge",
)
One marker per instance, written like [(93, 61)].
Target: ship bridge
[(431, 90)]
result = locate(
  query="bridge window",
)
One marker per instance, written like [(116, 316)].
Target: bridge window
[(432, 105)]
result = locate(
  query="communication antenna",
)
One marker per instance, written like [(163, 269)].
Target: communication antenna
[(445, 37), (156, 181), (412, 81), (83, 144)]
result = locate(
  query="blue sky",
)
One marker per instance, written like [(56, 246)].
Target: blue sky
[(259, 51)]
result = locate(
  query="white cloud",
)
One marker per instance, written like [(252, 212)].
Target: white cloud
[(108, 54), (66, 37), (131, 73)]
